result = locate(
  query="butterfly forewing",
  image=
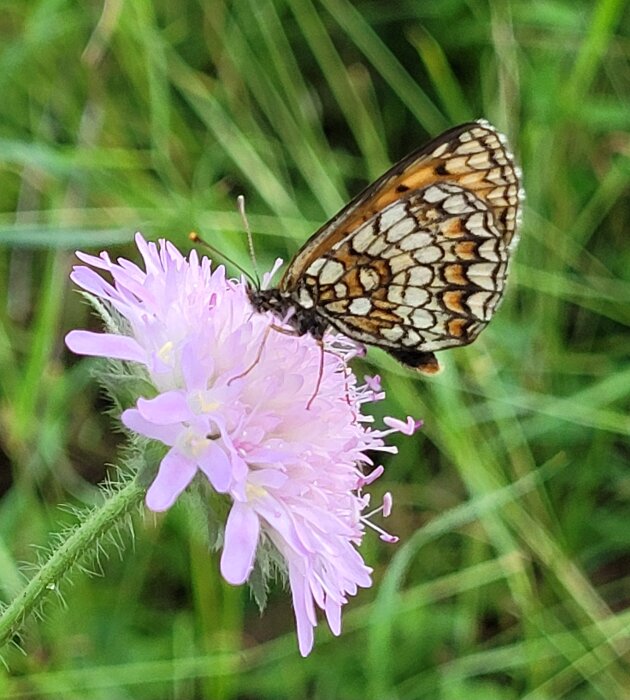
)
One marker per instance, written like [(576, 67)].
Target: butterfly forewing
[(417, 262), (424, 274), (473, 155)]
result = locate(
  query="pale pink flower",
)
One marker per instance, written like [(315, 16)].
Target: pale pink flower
[(245, 405)]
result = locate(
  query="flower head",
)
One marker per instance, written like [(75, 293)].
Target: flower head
[(265, 417)]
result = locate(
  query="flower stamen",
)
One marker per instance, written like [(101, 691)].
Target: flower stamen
[(386, 509)]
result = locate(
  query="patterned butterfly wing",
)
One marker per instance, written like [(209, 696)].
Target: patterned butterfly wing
[(473, 155), (417, 262)]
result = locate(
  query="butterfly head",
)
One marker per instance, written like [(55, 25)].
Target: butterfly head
[(269, 300), (288, 310)]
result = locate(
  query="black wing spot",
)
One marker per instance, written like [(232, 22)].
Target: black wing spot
[(440, 169), (402, 188)]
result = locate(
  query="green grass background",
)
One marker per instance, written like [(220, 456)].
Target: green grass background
[(511, 579)]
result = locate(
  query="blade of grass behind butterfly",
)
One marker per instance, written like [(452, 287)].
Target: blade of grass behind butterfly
[(443, 79), (502, 437), (508, 93), (65, 237), (417, 602), (536, 415), (431, 608), (266, 176), (532, 532), (57, 160), (35, 374), (563, 659), (585, 223), (572, 282), (609, 298), (418, 599), (47, 301), (295, 95), (611, 186), (293, 133), (535, 537), (560, 191), (171, 131), (100, 169), (385, 62), (360, 111), (600, 31), (288, 70), (120, 172), (233, 88), (245, 72), (288, 66), (41, 27), (535, 518), (588, 407), (560, 659), (483, 507), (443, 411), (9, 377), (236, 144), (138, 25)]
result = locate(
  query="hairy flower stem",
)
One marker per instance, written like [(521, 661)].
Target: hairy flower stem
[(76, 548)]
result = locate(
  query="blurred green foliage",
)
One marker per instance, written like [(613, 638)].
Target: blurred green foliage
[(511, 579)]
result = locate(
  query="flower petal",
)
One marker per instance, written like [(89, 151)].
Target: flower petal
[(195, 373), (407, 427), (268, 478), (166, 408), (174, 475), (216, 465), (241, 539), (302, 620), (120, 347), (132, 419), (333, 615)]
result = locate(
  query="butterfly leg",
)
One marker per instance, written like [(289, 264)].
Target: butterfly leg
[(259, 353), (284, 331), (320, 374), (257, 358)]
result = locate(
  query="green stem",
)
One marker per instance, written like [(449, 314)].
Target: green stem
[(74, 549)]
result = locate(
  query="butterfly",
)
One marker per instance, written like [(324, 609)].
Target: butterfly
[(417, 262)]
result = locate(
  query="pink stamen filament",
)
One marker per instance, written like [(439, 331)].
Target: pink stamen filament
[(384, 508)]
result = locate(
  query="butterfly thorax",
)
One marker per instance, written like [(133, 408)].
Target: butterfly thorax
[(286, 308)]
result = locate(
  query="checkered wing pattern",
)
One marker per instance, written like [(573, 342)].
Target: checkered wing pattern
[(417, 262)]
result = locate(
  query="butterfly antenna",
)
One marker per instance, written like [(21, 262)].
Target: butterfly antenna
[(196, 238), (240, 200)]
